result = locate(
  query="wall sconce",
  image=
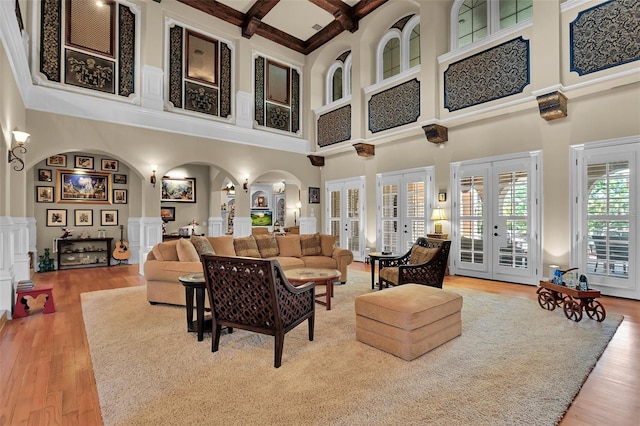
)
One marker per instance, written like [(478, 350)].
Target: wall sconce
[(245, 185), (21, 139), (438, 215), (152, 179)]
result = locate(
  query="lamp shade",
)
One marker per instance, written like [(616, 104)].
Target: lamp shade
[(438, 214)]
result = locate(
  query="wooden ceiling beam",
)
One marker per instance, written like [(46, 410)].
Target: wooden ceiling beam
[(253, 17), (365, 7), (217, 9)]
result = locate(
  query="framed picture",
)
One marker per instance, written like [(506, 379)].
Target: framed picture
[(45, 175), (59, 160), (119, 196), (442, 196), (76, 186), (44, 194), (110, 165), (83, 162), (314, 195), (56, 217), (108, 217), (84, 217), (120, 179), (179, 190), (168, 214)]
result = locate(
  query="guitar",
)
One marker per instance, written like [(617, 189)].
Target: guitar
[(121, 252)]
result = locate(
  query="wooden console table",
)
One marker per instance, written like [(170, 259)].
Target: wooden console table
[(573, 301), (83, 252)]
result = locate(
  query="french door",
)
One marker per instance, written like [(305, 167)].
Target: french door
[(345, 214), (495, 219), (404, 202)]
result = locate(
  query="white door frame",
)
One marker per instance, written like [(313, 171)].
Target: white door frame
[(343, 185)]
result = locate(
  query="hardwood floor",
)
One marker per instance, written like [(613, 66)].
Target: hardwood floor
[(46, 377)]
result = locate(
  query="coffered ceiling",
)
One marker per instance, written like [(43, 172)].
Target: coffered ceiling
[(301, 25)]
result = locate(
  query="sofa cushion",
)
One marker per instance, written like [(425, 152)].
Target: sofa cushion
[(327, 244), (289, 245), (223, 246), (421, 254), (319, 262), (246, 247), (310, 245), (186, 251), (267, 245), (202, 245), (166, 251), (290, 262)]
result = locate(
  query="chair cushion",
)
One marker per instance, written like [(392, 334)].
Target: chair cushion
[(289, 245), (223, 245), (421, 254), (267, 245), (186, 251), (166, 251), (310, 245), (202, 245), (390, 274), (246, 247), (327, 244)]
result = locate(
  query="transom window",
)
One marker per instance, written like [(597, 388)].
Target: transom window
[(399, 48)]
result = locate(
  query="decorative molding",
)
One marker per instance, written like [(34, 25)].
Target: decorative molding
[(316, 160), (334, 127), (501, 71), (365, 149), (395, 107), (552, 106), (436, 133), (152, 88)]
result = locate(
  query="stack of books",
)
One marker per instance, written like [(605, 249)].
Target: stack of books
[(24, 285)]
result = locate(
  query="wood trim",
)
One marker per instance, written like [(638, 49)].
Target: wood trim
[(215, 57)]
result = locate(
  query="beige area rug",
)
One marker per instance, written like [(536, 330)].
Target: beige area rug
[(515, 364)]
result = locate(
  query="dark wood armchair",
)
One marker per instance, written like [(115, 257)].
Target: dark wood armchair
[(412, 266), (254, 294)]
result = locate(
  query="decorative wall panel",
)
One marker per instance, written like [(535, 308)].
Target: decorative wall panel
[(50, 39), (496, 73), (225, 80), (259, 90), (89, 72), (278, 117), (200, 98), (334, 126), (295, 101), (605, 36), (395, 107), (127, 58), (175, 66)]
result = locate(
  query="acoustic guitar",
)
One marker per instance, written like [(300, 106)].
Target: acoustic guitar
[(121, 251)]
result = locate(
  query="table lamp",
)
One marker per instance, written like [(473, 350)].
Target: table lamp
[(438, 215)]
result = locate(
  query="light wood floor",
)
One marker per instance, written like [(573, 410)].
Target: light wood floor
[(46, 375)]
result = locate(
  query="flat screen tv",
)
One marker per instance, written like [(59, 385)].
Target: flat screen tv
[(261, 218)]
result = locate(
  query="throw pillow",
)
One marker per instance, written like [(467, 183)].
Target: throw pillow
[(246, 247), (310, 245), (223, 246), (202, 245), (267, 245), (186, 251), (327, 244), (156, 252), (289, 245), (421, 254), (168, 251)]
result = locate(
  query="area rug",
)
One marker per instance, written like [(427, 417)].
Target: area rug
[(514, 363)]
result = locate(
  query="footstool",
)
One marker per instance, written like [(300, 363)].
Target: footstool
[(21, 307), (408, 320)]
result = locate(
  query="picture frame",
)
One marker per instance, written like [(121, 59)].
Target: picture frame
[(168, 214), (83, 162), (45, 175), (442, 197), (76, 186), (179, 190), (83, 217), (120, 179), (109, 165), (57, 217), (108, 217), (314, 195), (120, 196), (59, 160), (44, 194)]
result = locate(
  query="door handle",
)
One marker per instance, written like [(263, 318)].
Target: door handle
[(495, 234)]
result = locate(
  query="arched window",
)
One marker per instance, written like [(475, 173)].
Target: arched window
[(338, 83), (399, 48), (473, 20)]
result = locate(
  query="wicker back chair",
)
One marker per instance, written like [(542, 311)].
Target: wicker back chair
[(398, 270), (254, 294)]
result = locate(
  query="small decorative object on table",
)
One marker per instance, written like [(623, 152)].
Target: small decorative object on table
[(583, 285), (66, 233), (46, 263)]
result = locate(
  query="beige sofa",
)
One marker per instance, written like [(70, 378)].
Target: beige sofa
[(167, 261)]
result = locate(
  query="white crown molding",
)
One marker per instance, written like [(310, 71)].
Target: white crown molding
[(572, 4)]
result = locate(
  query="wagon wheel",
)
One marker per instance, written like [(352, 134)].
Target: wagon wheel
[(546, 301), (572, 310), (595, 310)]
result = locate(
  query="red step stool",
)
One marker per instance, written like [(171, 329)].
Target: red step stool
[(21, 308)]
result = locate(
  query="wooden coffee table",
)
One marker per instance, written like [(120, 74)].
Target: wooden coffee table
[(320, 276)]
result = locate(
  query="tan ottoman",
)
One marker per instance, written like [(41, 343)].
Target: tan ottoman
[(409, 320)]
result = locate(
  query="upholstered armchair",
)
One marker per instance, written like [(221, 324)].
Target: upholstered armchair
[(425, 263), (254, 294)]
